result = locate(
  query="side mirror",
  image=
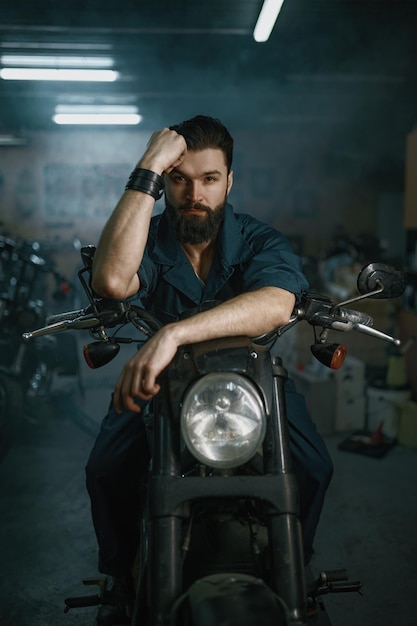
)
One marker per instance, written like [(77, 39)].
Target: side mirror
[(384, 280)]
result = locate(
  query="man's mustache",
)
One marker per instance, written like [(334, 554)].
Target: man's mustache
[(194, 205)]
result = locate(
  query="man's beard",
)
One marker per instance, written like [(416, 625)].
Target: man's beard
[(195, 229)]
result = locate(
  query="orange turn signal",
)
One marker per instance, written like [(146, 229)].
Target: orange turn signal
[(100, 353), (330, 354)]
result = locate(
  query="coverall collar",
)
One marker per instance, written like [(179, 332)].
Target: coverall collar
[(232, 250)]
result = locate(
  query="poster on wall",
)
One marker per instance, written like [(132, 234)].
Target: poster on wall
[(82, 190)]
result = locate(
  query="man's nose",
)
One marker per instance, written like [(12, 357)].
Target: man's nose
[(194, 190)]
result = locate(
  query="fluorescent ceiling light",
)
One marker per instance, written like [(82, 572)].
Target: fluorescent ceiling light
[(94, 109), (266, 20), (33, 60), (54, 45), (24, 73), (12, 140), (129, 119)]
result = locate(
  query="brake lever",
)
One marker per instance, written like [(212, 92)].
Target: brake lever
[(76, 324), (377, 333)]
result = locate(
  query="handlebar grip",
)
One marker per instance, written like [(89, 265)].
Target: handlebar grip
[(63, 317), (356, 317)]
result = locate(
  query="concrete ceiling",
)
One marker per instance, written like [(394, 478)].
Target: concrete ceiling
[(347, 68)]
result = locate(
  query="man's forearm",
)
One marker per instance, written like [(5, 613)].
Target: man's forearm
[(123, 240), (250, 314), (121, 246), (253, 313)]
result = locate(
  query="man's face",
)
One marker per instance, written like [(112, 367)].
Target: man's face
[(196, 193)]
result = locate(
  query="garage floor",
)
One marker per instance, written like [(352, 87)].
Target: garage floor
[(47, 544)]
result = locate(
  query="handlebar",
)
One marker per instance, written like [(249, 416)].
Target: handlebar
[(315, 309), (320, 311)]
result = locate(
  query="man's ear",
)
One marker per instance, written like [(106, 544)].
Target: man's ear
[(229, 182)]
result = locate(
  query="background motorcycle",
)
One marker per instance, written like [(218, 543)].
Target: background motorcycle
[(220, 537), (27, 369)]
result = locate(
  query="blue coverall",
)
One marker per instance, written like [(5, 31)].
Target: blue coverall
[(250, 255)]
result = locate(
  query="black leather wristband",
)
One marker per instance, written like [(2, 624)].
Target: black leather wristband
[(146, 181)]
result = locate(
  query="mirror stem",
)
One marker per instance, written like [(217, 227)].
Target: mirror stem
[(357, 298)]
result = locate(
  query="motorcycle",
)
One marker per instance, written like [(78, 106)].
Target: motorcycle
[(26, 369), (220, 534)]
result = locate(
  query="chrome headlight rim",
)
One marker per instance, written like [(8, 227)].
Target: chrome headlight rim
[(246, 429)]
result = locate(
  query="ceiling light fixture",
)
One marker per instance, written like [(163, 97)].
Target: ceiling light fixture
[(57, 62), (12, 140), (55, 45), (25, 73), (266, 20), (96, 115), (96, 119), (93, 109)]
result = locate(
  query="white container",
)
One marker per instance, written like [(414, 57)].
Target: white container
[(350, 413), (385, 405), (319, 394)]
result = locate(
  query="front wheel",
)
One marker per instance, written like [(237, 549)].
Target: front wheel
[(11, 411), (232, 599)]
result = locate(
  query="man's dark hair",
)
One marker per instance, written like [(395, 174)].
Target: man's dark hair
[(201, 132)]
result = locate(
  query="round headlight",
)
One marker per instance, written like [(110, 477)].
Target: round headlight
[(222, 420)]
